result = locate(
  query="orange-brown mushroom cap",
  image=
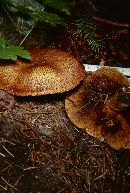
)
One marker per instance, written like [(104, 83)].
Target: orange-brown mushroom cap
[(50, 71), (96, 107)]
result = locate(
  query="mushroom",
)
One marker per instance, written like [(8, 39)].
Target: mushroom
[(50, 71), (97, 107)]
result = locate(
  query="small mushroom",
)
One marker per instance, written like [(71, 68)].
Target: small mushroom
[(50, 71), (95, 106)]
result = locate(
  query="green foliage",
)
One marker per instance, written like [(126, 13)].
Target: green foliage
[(49, 11), (10, 52), (87, 29), (20, 18), (58, 5), (51, 18)]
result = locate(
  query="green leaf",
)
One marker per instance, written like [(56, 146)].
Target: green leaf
[(37, 10), (19, 51), (22, 5), (6, 54), (11, 52), (2, 42), (59, 5), (50, 18)]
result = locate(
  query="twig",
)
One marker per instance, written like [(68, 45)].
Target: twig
[(2, 154), (17, 181), (26, 35), (6, 167), (30, 168), (110, 22), (31, 129), (8, 184), (10, 17), (4, 188), (5, 140), (7, 151), (93, 6)]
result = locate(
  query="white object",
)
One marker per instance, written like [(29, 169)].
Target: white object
[(125, 71)]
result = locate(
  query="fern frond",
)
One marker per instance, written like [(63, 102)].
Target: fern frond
[(87, 29), (38, 10), (50, 18)]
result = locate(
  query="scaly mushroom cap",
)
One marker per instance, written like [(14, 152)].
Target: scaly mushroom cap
[(97, 107), (50, 71)]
